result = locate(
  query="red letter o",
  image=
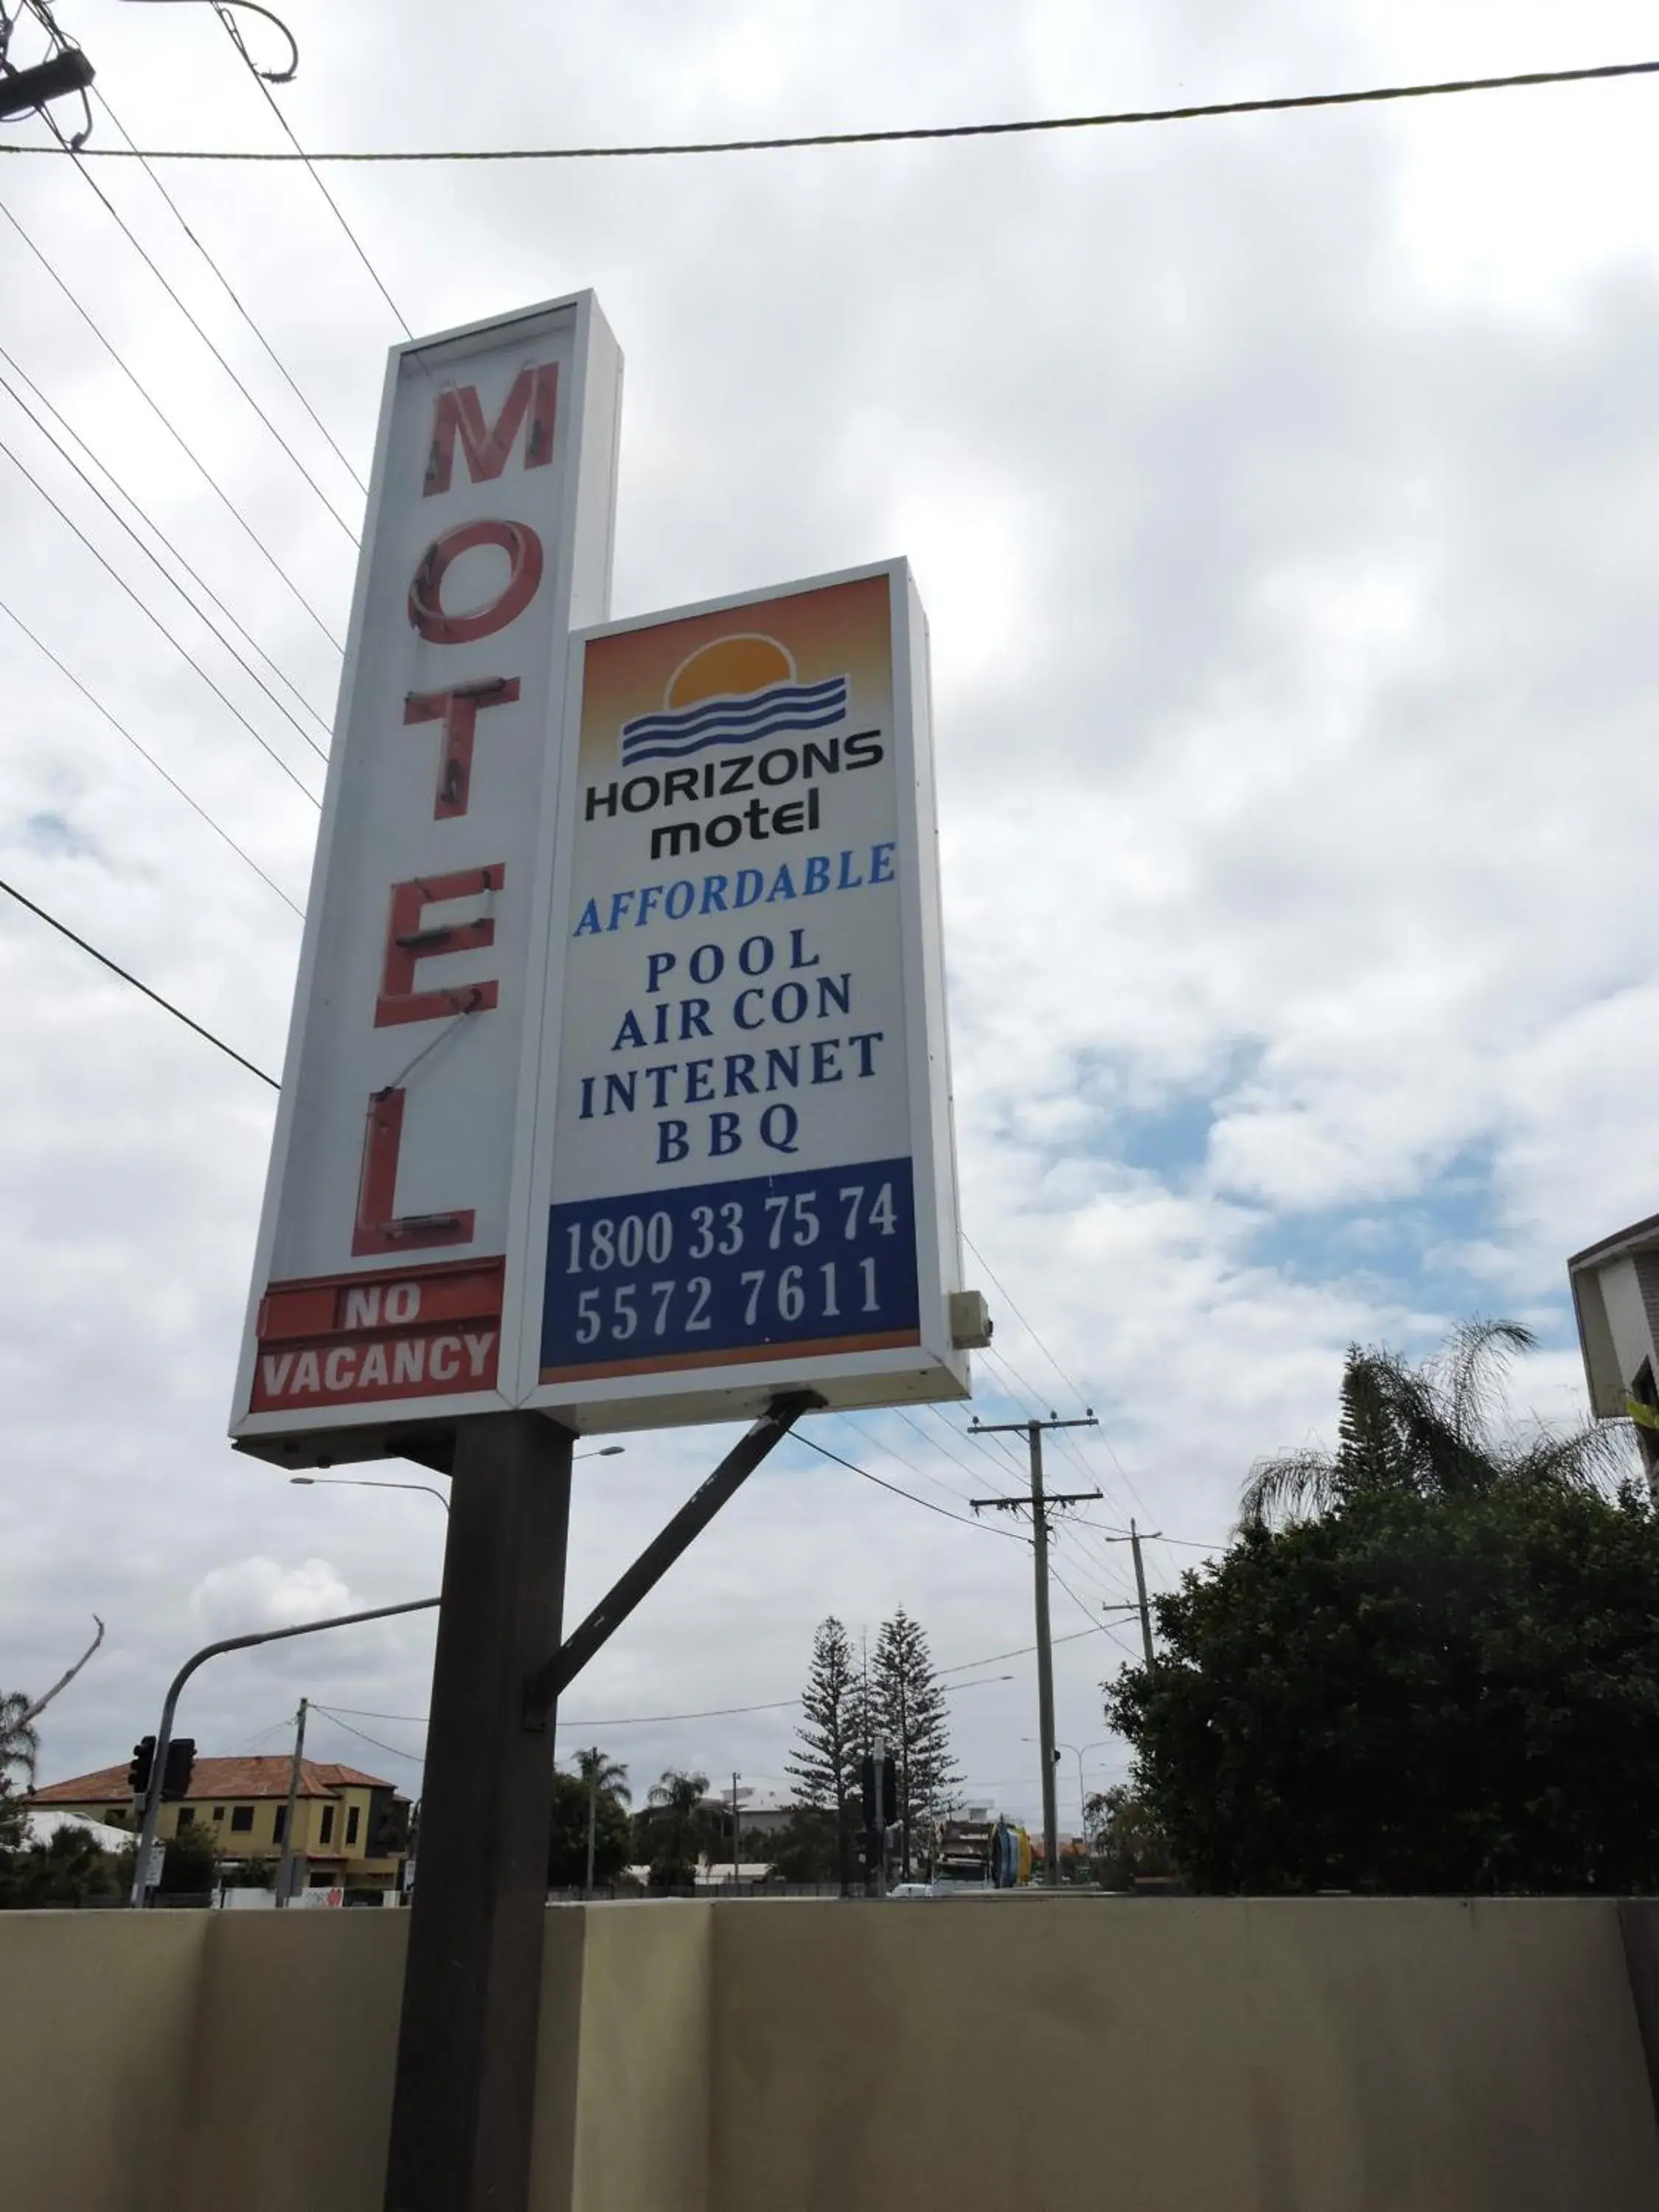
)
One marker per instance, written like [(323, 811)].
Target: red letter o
[(522, 548)]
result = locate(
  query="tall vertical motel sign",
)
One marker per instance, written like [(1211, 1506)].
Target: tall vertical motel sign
[(616, 1084)]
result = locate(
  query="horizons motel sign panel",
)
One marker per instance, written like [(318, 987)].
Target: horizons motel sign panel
[(618, 1082)]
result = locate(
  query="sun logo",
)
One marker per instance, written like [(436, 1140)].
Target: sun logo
[(735, 690)]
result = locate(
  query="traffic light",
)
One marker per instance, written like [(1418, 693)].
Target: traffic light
[(874, 1838), (388, 1830), (889, 1790), (143, 1757), (178, 1766)]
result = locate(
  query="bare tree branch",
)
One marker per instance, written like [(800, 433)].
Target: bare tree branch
[(34, 1712)]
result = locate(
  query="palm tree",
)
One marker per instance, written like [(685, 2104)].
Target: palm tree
[(603, 1776), (18, 1742), (677, 1825), (1436, 1429)]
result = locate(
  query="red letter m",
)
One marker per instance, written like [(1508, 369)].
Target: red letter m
[(533, 391)]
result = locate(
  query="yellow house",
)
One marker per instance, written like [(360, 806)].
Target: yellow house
[(350, 1829)]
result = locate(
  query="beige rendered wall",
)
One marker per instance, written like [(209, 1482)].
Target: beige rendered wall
[(1175, 2055), (645, 2071), (1164, 2055), (97, 2010)]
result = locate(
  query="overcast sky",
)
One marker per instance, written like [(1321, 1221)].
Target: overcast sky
[(1281, 492)]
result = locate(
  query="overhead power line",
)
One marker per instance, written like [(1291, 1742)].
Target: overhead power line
[(149, 613), (149, 554), (236, 301), (1280, 103), (927, 1504), (1021, 1652), (156, 270), (162, 417), (415, 1758), (115, 969), (121, 730), (299, 153)]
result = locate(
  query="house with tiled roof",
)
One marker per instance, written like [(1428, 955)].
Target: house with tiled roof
[(350, 1829)]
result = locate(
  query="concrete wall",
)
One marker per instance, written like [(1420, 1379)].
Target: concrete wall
[(1166, 2055)]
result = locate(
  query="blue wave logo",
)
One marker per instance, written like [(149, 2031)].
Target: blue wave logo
[(735, 718)]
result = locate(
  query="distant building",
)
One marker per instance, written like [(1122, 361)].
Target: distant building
[(350, 1829), (40, 1827), (761, 1819), (1615, 1295)]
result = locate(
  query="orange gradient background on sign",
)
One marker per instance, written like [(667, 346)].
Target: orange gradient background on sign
[(843, 629)]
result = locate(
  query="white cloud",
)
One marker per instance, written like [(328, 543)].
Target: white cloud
[(1281, 491), (258, 1593)]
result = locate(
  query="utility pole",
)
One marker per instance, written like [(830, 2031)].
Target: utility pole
[(592, 1815), (1134, 1539), (1141, 1590), (1040, 1507), (285, 1864), (736, 1876), (880, 1757)]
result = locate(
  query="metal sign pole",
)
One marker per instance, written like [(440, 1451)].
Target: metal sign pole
[(463, 2107)]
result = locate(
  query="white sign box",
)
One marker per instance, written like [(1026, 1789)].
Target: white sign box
[(383, 1290), (744, 1171)]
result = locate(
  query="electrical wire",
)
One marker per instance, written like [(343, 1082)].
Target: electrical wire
[(121, 730), (1280, 103), (995, 1446), (1042, 1345), (927, 1504), (234, 297), (927, 1439), (1185, 1543), (63, 454), (415, 1758), (1088, 1611), (299, 153), (144, 255), (150, 523), (920, 1473), (151, 615), (198, 465), (104, 960)]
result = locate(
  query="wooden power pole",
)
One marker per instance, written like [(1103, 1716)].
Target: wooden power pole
[(1040, 1505)]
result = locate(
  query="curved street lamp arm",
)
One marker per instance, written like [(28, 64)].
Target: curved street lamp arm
[(170, 1705)]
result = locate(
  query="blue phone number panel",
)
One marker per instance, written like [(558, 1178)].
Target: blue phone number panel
[(731, 1270)]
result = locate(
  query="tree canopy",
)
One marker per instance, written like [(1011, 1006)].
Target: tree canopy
[(831, 1738), (566, 1851), (676, 1828), (1435, 1429), (908, 1703), (1423, 1690)]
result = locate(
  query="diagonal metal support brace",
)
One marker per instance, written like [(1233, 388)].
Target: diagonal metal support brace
[(541, 1689)]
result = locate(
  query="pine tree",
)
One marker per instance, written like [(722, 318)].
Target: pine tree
[(832, 1737), (909, 1705)]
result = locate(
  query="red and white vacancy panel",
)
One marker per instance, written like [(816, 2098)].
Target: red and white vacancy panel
[(385, 1285), (745, 1167)]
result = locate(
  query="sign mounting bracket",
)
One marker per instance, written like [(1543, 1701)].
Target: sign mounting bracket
[(543, 1688)]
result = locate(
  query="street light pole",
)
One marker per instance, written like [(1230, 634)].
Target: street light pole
[(170, 1706), (365, 1482), (1099, 1744), (379, 1482)]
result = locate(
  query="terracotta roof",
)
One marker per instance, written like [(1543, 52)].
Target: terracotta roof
[(215, 1778)]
